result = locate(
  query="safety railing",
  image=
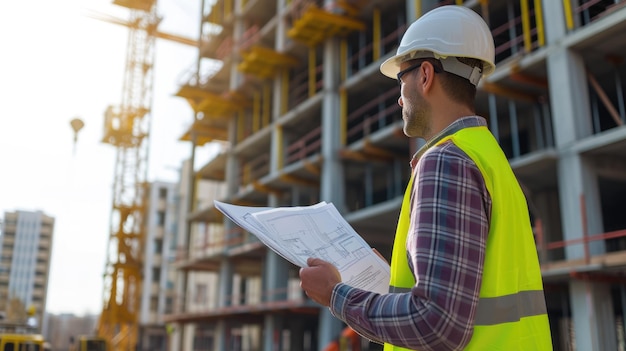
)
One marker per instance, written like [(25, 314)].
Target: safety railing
[(381, 184), (365, 47), (523, 127), (554, 251), (205, 299), (254, 170), (249, 37), (303, 84), (376, 114), (257, 117), (224, 49), (582, 12), (520, 31), (305, 146), (614, 241), (216, 245), (390, 40), (194, 77)]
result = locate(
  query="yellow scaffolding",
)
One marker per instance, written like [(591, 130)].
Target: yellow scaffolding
[(264, 63), (204, 132), (317, 25)]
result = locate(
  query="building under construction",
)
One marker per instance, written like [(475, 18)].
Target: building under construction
[(293, 92)]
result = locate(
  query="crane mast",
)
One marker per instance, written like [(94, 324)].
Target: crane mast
[(127, 128)]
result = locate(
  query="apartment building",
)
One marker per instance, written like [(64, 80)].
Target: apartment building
[(25, 251), (157, 293), (294, 89), (196, 279)]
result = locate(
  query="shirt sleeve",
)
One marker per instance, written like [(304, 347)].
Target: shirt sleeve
[(450, 210)]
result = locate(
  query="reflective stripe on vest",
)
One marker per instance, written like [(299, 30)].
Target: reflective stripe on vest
[(503, 309), (511, 312)]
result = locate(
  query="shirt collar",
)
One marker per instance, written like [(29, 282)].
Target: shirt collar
[(461, 123)]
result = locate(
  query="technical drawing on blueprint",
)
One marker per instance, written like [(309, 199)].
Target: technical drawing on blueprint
[(297, 233)]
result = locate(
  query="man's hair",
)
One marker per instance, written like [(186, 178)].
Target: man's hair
[(458, 88)]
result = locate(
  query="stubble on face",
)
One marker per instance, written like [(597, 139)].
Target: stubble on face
[(415, 112)]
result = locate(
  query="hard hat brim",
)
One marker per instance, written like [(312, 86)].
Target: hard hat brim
[(390, 67)]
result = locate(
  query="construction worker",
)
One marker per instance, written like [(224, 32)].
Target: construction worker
[(464, 268)]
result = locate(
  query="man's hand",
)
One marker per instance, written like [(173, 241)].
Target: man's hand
[(318, 280)]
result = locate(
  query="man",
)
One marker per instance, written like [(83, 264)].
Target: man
[(464, 271)]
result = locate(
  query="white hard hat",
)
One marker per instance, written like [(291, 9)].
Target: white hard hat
[(445, 33)]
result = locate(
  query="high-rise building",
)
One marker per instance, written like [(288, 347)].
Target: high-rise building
[(64, 329), (294, 88), (196, 280), (158, 272), (25, 251)]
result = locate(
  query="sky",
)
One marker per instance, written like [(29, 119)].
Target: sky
[(57, 64)]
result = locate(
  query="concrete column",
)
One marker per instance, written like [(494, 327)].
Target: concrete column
[(281, 25), (225, 284), (276, 269), (232, 164), (579, 195), (577, 180), (554, 20), (569, 96), (281, 37), (332, 188), (276, 277), (411, 11), (235, 75), (184, 230), (427, 5), (272, 327), (570, 114), (221, 336), (592, 312), (225, 291)]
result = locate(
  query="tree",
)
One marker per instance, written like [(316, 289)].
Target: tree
[(16, 311)]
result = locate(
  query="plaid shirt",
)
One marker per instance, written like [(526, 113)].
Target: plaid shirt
[(450, 212)]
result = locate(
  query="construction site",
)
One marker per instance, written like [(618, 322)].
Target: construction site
[(291, 93)]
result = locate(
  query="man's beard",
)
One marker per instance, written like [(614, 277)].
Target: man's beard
[(415, 116)]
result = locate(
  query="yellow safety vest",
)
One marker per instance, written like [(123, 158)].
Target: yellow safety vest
[(511, 312)]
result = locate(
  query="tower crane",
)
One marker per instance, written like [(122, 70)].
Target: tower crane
[(127, 128)]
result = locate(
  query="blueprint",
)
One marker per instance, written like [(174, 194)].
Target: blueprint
[(297, 233)]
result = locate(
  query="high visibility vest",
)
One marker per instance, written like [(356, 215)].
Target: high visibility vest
[(511, 312)]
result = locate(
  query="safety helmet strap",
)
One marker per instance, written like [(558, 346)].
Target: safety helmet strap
[(449, 64), (453, 65)]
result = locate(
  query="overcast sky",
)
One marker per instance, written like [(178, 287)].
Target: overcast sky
[(57, 64)]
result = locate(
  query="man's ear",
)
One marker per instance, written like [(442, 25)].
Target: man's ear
[(428, 76)]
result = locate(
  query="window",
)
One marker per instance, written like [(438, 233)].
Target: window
[(9, 347), (169, 305), (156, 274), (29, 347), (96, 345), (162, 193), (161, 218), (156, 342), (154, 303), (158, 245), (200, 294)]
